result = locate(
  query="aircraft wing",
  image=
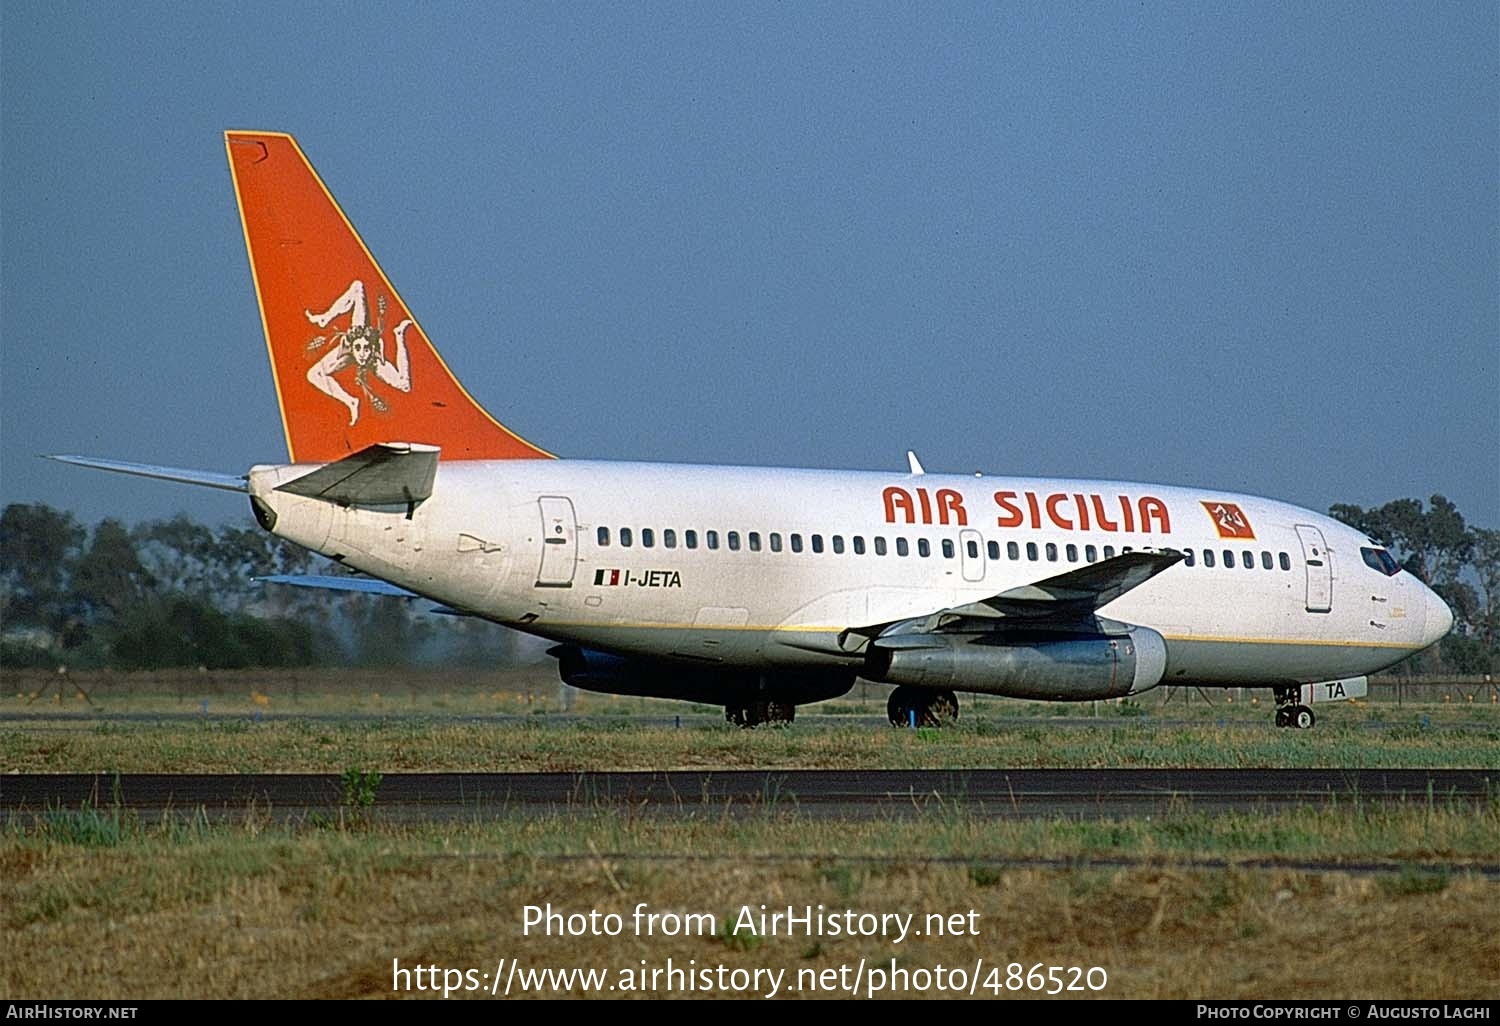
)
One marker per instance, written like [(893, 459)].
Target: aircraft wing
[(1068, 601), (203, 478), (1075, 592)]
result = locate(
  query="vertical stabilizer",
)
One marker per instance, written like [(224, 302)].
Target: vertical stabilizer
[(352, 368)]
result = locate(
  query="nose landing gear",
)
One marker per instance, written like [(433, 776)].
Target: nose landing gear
[(1290, 712)]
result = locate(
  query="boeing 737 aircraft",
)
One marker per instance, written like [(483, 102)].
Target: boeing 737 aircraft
[(762, 589)]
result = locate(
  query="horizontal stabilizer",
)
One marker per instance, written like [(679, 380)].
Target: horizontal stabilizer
[(386, 474), (328, 582), (202, 478), (362, 585)]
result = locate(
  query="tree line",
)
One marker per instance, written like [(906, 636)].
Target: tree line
[(172, 593), (1459, 561), (168, 593)]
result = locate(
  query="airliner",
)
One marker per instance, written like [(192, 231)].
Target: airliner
[(760, 589)]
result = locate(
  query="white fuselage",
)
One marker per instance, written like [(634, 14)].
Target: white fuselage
[(766, 568)]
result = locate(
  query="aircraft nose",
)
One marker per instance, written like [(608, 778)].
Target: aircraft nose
[(1439, 620)]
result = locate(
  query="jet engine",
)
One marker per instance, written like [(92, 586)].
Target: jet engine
[(1072, 668)]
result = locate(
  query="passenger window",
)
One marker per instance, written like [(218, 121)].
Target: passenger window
[(1286, 563), (691, 537), (734, 541), (838, 545), (626, 538), (648, 538), (603, 536), (1229, 558), (754, 540), (1188, 557), (1265, 560), (993, 549), (1109, 552), (1072, 553), (796, 543), (973, 549), (669, 538), (859, 545), (948, 548), (1208, 557), (1126, 549), (902, 549), (1090, 553), (1247, 560), (1051, 552), (775, 541), (711, 539), (1031, 551), (923, 548), (879, 546), (1012, 550), (817, 543)]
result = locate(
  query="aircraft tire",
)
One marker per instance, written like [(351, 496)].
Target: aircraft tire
[(1302, 717), (927, 708)]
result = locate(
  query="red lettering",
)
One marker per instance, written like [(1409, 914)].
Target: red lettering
[(926, 505), (898, 499), (950, 503), (1153, 508), (1083, 512), (1012, 516), (1105, 524), (1036, 515), (1057, 518), (1129, 513)]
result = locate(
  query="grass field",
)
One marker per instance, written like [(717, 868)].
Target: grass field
[(96, 902), (392, 722)]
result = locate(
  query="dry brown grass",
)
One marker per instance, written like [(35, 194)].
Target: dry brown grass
[(184, 909), (324, 918)]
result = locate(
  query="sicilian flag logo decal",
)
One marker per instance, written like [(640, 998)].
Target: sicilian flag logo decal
[(1230, 520)]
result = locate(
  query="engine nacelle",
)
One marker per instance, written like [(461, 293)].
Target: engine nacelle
[(617, 675), (1069, 669)]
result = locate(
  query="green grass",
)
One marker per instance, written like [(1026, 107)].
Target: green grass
[(1433, 739)]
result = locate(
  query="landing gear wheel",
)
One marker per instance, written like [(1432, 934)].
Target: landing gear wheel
[(1290, 712), (910, 706), (753, 714)]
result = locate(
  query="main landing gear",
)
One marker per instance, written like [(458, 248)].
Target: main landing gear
[(753, 714), (921, 707), (1290, 712)]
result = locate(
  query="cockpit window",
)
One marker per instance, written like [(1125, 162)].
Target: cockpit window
[(1380, 559)]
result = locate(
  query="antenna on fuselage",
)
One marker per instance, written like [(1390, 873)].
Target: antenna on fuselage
[(914, 463)]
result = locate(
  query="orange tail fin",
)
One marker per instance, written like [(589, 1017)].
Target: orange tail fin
[(352, 368)]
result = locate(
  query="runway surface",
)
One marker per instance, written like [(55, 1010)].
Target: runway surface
[(824, 793)]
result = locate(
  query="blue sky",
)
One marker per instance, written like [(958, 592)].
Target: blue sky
[(1252, 248)]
